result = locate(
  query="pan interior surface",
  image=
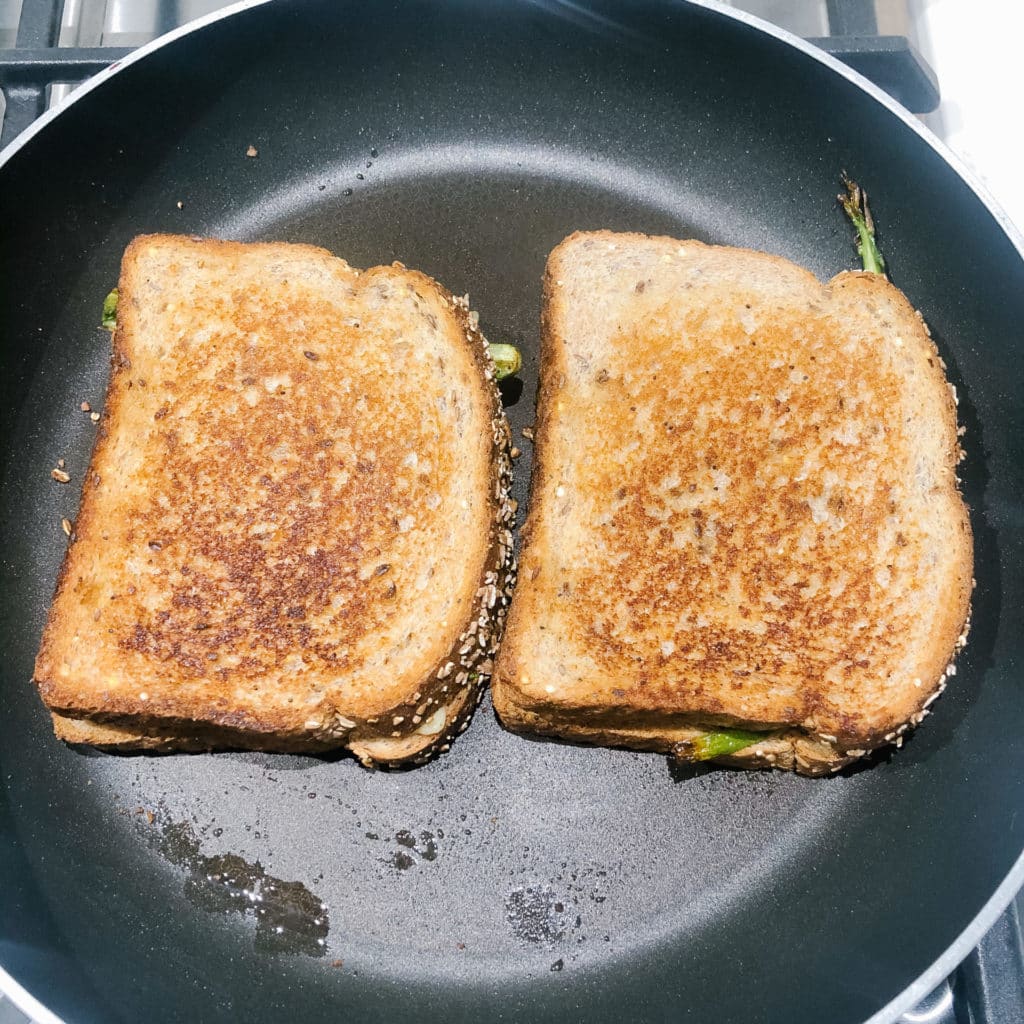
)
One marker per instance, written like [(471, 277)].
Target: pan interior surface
[(557, 881)]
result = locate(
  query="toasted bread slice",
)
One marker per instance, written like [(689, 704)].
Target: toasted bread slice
[(295, 529), (371, 749), (744, 510)]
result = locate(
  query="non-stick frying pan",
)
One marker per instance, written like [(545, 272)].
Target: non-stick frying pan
[(511, 879)]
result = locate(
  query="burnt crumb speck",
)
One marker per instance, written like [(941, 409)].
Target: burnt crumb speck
[(403, 861)]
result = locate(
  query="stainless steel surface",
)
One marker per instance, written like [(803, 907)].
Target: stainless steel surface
[(10, 1014), (801, 17), (10, 10), (127, 22)]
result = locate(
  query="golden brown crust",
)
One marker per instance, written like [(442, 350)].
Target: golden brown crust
[(370, 747), (783, 748), (744, 507), (286, 445), (168, 737)]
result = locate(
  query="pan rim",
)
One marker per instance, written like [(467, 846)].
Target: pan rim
[(27, 1003), (1000, 899)]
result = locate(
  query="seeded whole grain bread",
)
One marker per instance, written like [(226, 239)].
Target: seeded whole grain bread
[(744, 510), (295, 529)]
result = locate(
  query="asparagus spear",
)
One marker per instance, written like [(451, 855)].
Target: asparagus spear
[(507, 359), (109, 320), (716, 744), (855, 203)]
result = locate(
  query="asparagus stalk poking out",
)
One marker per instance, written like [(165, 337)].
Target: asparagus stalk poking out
[(507, 359), (716, 744), (855, 204), (109, 320)]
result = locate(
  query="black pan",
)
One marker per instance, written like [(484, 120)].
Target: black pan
[(510, 879)]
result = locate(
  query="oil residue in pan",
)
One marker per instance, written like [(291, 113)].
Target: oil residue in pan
[(289, 918), (537, 914), (414, 850)]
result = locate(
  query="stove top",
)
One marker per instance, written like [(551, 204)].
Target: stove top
[(47, 47)]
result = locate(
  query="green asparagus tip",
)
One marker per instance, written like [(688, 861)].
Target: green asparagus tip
[(109, 320), (507, 359), (855, 204), (716, 744)]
